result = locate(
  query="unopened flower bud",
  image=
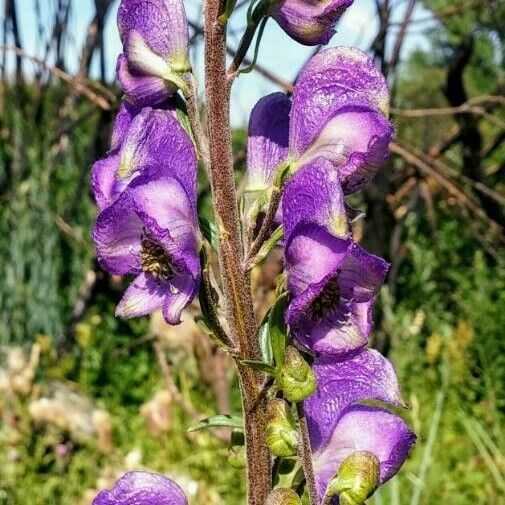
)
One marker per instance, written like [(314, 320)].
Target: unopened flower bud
[(283, 496), (356, 480), (296, 378), (282, 437), (308, 22)]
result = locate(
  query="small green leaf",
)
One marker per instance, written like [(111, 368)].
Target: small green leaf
[(268, 245), (209, 231), (264, 342), (260, 366), (277, 329), (226, 420), (182, 115)]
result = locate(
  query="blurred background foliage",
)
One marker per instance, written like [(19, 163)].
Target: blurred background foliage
[(84, 396)]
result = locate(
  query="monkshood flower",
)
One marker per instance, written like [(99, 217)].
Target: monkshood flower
[(150, 231), (340, 104), (142, 488), (332, 281), (148, 224), (338, 111), (339, 426), (154, 34), (309, 22), (140, 140)]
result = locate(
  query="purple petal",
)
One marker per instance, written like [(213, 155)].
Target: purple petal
[(356, 140), (183, 289), (347, 329), (124, 117), (267, 145), (142, 90), (312, 254), (309, 22), (117, 235), (160, 24), (314, 194), (361, 275), (333, 79), (367, 375), (103, 180), (364, 429), (169, 215), (143, 296), (156, 139), (142, 488)]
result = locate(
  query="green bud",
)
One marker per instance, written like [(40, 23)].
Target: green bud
[(237, 457), (283, 496), (295, 377), (282, 437), (356, 480)]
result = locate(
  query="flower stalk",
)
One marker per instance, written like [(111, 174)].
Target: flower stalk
[(236, 283)]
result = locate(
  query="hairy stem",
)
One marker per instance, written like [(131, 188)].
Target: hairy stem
[(236, 283), (306, 455)]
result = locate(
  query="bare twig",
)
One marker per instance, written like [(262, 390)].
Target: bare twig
[(80, 87), (469, 106), (410, 156)]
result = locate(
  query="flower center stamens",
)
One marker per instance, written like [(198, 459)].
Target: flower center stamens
[(154, 260), (327, 301)]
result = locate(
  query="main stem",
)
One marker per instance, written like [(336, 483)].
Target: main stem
[(236, 282)]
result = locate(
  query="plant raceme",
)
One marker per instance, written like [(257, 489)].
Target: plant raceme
[(312, 150)]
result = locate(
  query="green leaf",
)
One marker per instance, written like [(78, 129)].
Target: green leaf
[(209, 231), (260, 366), (182, 115), (277, 329), (269, 244), (264, 342), (226, 420)]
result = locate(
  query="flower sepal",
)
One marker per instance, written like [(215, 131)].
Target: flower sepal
[(295, 377), (282, 437), (356, 480)]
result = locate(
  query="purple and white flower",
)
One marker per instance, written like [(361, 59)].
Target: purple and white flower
[(339, 426), (155, 41), (338, 111), (332, 281), (148, 223)]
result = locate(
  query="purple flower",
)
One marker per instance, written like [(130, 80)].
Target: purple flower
[(338, 111), (340, 101), (370, 429), (338, 426), (150, 231), (332, 280), (154, 34), (309, 22), (148, 224), (142, 488)]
